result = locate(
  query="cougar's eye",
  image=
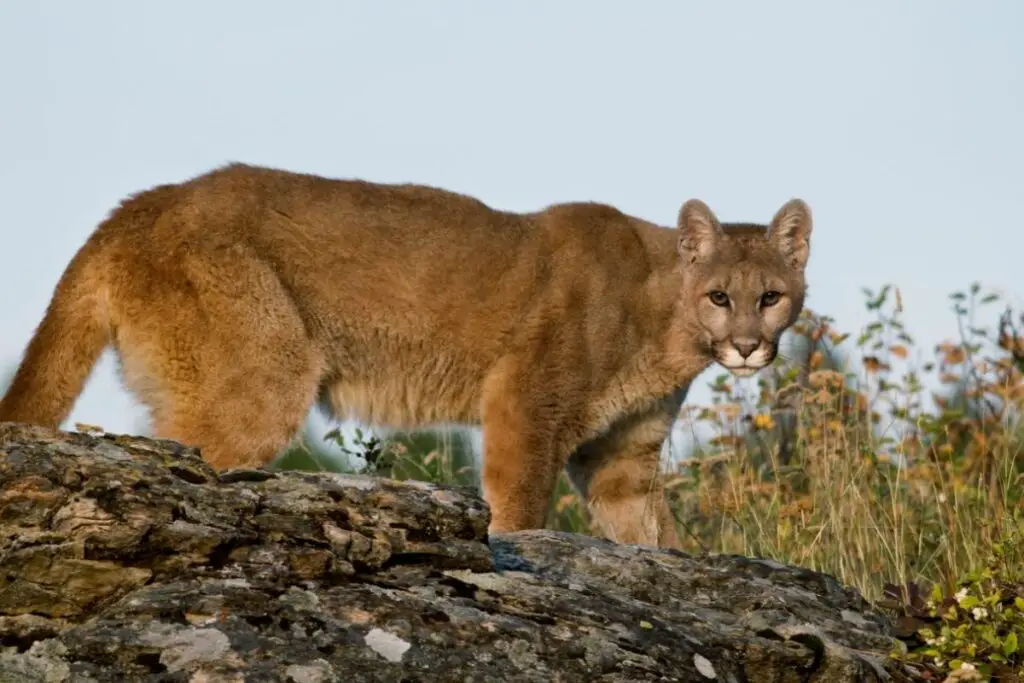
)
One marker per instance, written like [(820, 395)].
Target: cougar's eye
[(719, 298), (770, 298)]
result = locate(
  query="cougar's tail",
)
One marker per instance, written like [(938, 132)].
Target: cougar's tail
[(66, 345)]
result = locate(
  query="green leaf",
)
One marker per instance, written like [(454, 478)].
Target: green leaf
[(1010, 644)]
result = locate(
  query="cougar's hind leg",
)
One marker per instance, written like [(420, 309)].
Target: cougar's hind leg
[(233, 373), (247, 421)]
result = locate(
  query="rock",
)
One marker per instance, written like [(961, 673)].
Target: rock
[(129, 559)]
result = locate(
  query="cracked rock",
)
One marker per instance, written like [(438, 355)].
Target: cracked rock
[(128, 559)]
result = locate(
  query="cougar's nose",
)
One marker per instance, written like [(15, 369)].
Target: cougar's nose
[(745, 346)]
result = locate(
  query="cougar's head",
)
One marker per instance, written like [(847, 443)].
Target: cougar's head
[(743, 283)]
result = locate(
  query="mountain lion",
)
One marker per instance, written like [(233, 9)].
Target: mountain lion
[(240, 298)]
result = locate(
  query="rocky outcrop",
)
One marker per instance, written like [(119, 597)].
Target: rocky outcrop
[(128, 559)]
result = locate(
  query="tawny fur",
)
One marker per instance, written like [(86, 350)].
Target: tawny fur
[(240, 298)]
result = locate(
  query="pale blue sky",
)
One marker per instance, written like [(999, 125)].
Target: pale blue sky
[(902, 124)]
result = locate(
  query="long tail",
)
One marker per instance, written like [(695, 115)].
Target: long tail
[(62, 352)]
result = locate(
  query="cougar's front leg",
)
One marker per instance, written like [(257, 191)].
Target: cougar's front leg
[(525, 445), (618, 474)]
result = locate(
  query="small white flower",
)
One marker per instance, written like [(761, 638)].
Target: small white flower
[(967, 666), (979, 613), (942, 497), (960, 595)]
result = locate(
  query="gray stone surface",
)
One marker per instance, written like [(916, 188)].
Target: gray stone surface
[(127, 559)]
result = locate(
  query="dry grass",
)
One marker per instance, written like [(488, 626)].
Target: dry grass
[(869, 477)]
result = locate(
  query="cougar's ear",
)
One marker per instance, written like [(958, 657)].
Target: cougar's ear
[(790, 232), (699, 231)]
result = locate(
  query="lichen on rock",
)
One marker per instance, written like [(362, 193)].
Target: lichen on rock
[(129, 559)]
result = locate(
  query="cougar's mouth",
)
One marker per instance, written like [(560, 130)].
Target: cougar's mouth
[(731, 359)]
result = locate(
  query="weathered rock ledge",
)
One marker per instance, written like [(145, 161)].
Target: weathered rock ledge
[(127, 559)]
